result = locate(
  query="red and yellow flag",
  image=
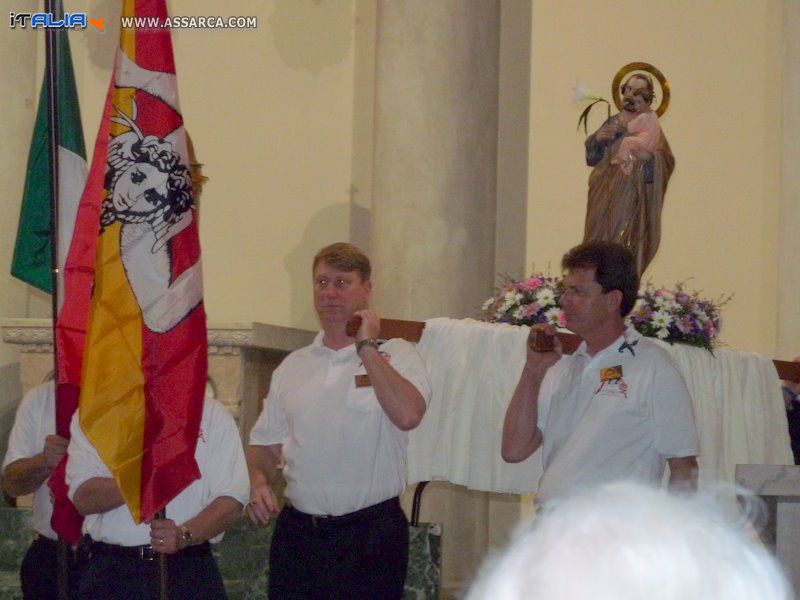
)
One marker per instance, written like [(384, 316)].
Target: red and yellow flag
[(132, 331)]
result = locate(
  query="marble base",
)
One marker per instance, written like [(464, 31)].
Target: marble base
[(779, 487)]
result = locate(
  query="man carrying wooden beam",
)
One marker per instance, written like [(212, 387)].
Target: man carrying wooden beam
[(615, 409), (337, 413)]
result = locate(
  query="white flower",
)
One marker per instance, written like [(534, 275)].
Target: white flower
[(666, 303), (661, 319), (488, 304), (552, 315), (509, 299), (545, 296), (519, 313), (662, 333), (581, 94)]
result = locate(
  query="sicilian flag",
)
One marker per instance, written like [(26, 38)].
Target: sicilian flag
[(132, 329), (32, 261)]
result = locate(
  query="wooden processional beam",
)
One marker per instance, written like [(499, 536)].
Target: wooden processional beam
[(412, 331)]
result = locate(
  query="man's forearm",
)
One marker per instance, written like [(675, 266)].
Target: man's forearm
[(98, 495), (398, 397), (262, 463), (521, 434), (26, 475), (214, 519)]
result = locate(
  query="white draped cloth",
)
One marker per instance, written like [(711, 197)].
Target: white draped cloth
[(474, 367)]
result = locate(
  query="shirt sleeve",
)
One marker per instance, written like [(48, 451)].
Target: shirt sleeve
[(270, 427), (409, 364), (26, 439), (673, 415), (227, 475), (83, 461), (545, 395)]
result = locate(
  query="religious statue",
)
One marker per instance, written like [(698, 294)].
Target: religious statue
[(632, 164)]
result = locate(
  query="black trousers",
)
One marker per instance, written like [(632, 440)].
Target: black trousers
[(361, 555), (123, 576), (39, 571)]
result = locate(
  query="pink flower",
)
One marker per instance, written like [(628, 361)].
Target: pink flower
[(531, 283)]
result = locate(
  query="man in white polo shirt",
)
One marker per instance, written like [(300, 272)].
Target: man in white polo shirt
[(34, 450), (121, 561), (337, 413), (617, 408)]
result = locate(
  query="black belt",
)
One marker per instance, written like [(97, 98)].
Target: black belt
[(46, 541), (320, 521), (145, 552)]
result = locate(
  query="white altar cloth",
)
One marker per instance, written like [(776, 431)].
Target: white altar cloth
[(475, 366)]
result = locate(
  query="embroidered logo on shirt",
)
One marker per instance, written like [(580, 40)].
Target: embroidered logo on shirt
[(611, 373), (611, 382), (201, 436)]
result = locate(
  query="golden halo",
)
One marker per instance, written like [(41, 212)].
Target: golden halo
[(648, 68)]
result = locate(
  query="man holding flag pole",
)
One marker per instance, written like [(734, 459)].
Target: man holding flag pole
[(157, 470), (54, 182)]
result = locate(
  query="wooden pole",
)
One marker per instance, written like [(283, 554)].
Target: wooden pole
[(55, 8), (163, 575)]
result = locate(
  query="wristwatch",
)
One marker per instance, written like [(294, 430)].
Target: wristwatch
[(186, 536), (366, 342)]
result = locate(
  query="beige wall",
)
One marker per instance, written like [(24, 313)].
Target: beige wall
[(722, 59), (281, 116), (17, 113)]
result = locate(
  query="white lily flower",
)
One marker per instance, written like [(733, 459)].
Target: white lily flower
[(580, 93)]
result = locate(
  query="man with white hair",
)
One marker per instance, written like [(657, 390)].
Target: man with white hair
[(629, 541)]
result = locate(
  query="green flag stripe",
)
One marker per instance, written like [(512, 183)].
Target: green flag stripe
[(32, 261)]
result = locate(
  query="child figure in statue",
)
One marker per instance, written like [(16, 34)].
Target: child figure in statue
[(644, 133)]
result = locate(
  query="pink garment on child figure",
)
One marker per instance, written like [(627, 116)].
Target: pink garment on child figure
[(645, 134)]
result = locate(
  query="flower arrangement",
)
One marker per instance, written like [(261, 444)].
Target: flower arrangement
[(673, 315), (532, 300)]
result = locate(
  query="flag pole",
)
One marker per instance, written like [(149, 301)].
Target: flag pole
[(55, 8), (51, 67)]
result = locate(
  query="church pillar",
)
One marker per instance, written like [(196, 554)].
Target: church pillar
[(433, 208), (433, 205)]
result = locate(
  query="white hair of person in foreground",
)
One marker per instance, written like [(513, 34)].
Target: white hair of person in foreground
[(627, 541)]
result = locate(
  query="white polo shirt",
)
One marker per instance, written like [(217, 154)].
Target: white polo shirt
[(35, 420), (341, 450), (223, 471), (599, 428)]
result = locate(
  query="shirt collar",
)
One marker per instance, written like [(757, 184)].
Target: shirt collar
[(624, 344), (342, 353)]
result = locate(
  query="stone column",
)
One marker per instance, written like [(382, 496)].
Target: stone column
[(435, 156), (433, 205)]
